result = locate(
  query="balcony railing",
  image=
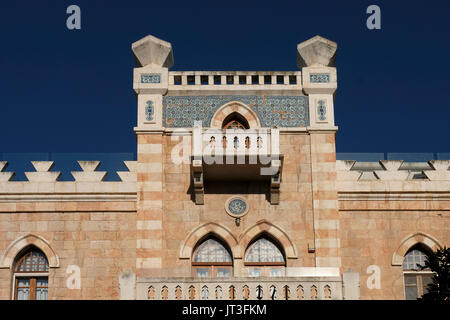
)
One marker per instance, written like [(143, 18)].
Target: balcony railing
[(235, 80), (329, 288), (234, 142)]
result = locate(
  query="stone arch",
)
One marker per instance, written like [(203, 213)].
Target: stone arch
[(25, 241), (272, 230), (205, 230), (410, 241), (238, 107)]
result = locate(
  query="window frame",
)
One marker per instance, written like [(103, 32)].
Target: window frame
[(265, 266), (419, 281), (235, 116), (265, 270), (419, 274), (228, 125), (32, 276), (211, 266), (212, 269)]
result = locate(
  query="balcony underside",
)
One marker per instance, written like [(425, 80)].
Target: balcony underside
[(236, 170)]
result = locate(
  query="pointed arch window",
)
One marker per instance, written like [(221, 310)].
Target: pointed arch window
[(212, 259), (415, 279), (31, 275), (235, 121), (264, 258)]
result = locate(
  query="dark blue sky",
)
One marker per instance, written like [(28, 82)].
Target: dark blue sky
[(71, 91)]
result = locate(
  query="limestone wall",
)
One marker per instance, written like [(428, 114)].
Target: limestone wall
[(87, 223), (175, 223), (381, 218)]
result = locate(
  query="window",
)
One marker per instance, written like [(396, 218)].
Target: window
[(211, 259), (264, 259), (204, 80), (235, 121), (234, 124), (177, 80), (280, 79), (415, 280), (31, 275)]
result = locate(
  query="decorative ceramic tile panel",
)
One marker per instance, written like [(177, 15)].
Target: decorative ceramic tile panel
[(321, 110), (149, 110), (151, 78), (237, 206), (282, 111), (319, 78)]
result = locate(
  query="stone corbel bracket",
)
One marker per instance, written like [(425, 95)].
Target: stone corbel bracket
[(43, 173), (440, 172), (197, 175), (197, 164), (130, 175), (275, 181), (391, 171), (344, 170), (5, 176), (89, 174)]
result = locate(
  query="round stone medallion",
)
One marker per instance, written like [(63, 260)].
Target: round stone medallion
[(236, 207)]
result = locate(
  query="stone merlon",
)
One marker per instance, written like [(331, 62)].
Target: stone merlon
[(152, 51), (316, 51)]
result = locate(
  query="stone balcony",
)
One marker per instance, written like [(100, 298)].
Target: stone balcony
[(236, 154), (283, 288)]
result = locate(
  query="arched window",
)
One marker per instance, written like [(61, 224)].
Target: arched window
[(264, 259), (212, 259), (31, 275), (235, 121), (416, 280)]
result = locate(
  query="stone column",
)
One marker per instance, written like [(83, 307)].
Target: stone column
[(153, 57), (316, 58)]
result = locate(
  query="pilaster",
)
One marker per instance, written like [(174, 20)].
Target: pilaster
[(150, 82), (316, 58)]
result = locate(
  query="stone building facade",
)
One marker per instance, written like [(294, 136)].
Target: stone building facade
[(236, 194)]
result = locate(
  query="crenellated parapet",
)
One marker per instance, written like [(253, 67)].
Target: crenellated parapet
[(5, 176), (89, 185), (393, 184), (43, 173), (393, 170), (88, 173)]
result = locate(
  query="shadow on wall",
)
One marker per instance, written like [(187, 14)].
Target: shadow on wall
[(233, 188)]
